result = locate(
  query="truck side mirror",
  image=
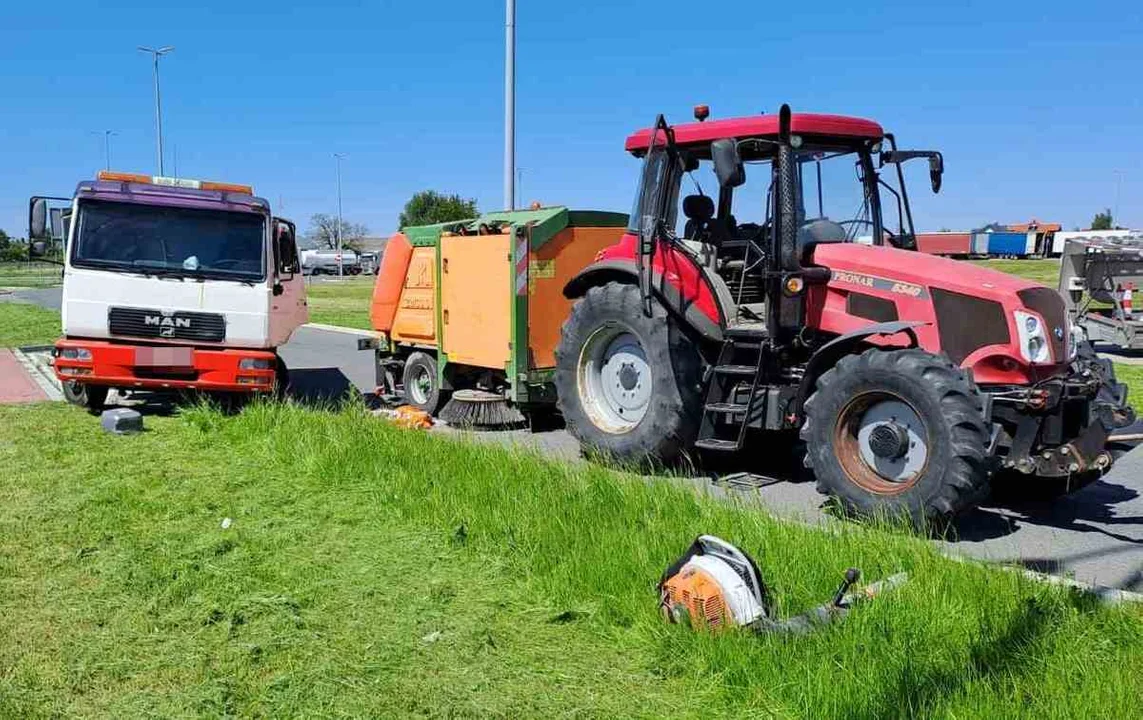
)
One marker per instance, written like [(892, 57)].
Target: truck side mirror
[(936, 171), (38, 219), (727, 163)]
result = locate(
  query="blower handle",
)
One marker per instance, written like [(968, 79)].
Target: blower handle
[(851, 576)]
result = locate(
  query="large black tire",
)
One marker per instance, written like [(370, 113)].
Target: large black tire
[(953, 469), (421, 383), (91, 397), (669, 424)]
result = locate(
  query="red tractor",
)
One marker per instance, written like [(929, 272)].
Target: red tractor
[(912, 380)]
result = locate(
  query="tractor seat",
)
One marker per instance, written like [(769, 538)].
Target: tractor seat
[(699, 211)]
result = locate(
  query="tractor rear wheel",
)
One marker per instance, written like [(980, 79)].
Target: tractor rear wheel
[(628, 385), (897, 434)]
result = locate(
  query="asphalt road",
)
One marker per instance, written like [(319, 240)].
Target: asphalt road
[(1094, 535)]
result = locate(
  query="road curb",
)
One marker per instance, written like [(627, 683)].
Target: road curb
[(40, 374), (1106, 595), (340, 329)]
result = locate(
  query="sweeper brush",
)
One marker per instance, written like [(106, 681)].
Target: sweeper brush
[(714, 585), (480, 409)]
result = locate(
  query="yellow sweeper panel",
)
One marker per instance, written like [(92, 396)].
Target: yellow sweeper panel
[(415, 320), (476, 295)]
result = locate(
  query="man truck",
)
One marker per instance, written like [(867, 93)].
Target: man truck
[(169, 284)]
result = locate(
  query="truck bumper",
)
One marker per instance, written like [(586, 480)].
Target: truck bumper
[(163, 367)]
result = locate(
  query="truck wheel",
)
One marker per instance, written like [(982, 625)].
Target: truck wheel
[(91, 397), (422, 385), (629, 386), (899, 434)]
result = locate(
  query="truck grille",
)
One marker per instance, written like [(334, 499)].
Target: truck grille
[(139, 322)]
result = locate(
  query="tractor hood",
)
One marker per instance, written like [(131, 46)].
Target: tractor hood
[(906, 266), (969, 313)]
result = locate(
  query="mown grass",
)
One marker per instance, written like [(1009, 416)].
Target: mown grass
[(24, 324), (1045, 271), (341, 302), (33, 274), (370, 571)]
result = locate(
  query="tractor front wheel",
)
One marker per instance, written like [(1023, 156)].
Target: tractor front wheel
[(897, 434), (628, 385)]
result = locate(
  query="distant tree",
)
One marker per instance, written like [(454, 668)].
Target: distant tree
[(945, 229), (428, 207), (323, 232), (1102, 221), (5, 241)]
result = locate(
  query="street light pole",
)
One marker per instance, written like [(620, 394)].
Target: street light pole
[(340, 269), (156, 54), (510, 106)]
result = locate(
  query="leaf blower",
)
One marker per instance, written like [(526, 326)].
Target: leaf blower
[(714, 585)]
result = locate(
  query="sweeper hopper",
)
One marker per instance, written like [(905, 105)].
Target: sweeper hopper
[(471, 311)]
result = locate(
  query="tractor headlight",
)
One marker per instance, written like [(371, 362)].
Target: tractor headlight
[(1033, 340)]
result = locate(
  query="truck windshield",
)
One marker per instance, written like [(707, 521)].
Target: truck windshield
[(219, 244)]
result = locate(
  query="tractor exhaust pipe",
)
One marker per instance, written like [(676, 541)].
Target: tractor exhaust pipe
[(786, 308), (786, 212)]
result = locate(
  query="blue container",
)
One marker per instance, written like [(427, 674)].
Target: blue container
[(1008, 243)]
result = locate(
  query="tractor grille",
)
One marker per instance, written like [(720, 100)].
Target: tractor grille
[(966, 323), (140, 322)]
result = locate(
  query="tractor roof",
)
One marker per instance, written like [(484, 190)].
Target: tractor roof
[(701, 133)]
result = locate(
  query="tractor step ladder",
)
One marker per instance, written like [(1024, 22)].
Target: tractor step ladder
[(725, 416)]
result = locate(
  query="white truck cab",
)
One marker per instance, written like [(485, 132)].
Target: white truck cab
[(170, 283)]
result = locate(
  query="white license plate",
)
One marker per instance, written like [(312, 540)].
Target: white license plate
[(180, 357)]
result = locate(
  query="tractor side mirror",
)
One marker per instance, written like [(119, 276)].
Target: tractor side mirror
[(728, 166), (936, 171)]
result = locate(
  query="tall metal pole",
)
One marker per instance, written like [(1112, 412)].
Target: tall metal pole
[(510, 106), (106, 146), (340, 269), (1118, 183), (156, 54)]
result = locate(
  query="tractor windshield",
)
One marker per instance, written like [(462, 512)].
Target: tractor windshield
[(831, 189)]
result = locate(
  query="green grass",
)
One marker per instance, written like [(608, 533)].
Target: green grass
[(22, 324), (342, 302), (1045, 271), (371, 571), (24, 274)]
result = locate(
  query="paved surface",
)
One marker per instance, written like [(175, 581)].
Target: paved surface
[(1095, 535), (16, 385)]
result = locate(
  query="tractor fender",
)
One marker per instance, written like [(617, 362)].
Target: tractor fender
[(622, 270), (828, 355)]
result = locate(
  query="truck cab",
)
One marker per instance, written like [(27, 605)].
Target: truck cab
[(170, 284)]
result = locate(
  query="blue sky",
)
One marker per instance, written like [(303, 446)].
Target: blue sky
[(1035, 105)]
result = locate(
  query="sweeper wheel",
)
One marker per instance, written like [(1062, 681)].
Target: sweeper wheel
[(422, 383)]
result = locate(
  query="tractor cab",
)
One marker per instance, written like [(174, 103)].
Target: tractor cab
[(711, 187)]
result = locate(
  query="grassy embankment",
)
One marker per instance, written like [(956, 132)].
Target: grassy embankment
[(25, 274), (369, 571), (341, 302)]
